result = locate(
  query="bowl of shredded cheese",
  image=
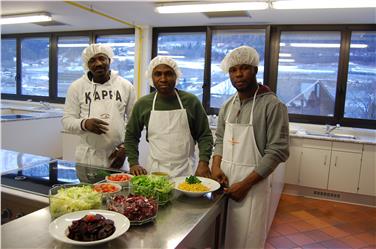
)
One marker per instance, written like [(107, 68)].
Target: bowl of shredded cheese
[(195, 186)]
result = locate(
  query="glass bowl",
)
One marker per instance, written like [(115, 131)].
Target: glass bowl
[(157, 187), (137, 208), (69, 198), (123, 183)]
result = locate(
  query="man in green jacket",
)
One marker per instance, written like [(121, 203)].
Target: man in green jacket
[(175, 120)]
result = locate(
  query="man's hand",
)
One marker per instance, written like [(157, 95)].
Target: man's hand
[(96, 126), (203, 169), (237, 191), (117, 157), (137, 170), (217, 173)]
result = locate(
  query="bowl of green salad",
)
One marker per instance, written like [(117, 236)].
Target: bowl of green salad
[(158, 187), (69, 198)]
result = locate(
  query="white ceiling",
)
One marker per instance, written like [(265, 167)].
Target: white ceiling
[(142, 13)]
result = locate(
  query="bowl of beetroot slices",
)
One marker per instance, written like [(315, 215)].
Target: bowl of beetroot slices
[(137, 208)]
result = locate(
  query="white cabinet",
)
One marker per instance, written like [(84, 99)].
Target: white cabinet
[(345, 167), (333, 165), (314, 164), (367, 171), (344, 171), (293, 163)]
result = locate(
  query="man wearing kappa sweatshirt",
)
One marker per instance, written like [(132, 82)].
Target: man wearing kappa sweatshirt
[(96, 108)]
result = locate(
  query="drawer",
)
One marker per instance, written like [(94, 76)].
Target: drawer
[(347, 147)]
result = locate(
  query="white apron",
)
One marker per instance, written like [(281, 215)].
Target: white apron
[(95, 149), (170, 142), (246, 225)]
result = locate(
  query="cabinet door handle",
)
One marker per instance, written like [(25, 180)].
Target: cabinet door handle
[(325, 159), (335, 162)]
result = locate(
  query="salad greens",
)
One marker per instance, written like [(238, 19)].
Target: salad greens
[(158, 187), (192, 180), (74, 199)]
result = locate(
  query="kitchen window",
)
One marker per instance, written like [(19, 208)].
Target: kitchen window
[(188, 50), (123, 47), (41, 66), (69, 67), (309, 67), (35, 66), (307, 72), (361, 80), (223, 41), (8, 66)]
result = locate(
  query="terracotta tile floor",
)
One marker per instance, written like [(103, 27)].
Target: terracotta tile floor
[(302, 222)]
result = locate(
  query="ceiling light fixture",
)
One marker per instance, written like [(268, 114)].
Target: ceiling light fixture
[(210, 7), (321, 45), (25, 18), (323, 4)]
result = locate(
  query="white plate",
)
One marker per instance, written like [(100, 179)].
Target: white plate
[(211, 184), (58, 228)]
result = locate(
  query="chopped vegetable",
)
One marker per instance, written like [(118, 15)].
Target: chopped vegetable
[(106, 188), (90, 228), (195, 187), (158, 187), (119, 177), (192, 180), (74, 199), (135, 208)]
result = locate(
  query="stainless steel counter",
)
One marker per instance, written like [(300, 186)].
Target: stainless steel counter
[(185, 222)]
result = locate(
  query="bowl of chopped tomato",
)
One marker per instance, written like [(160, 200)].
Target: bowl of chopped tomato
[(107, 188), (119, 178)]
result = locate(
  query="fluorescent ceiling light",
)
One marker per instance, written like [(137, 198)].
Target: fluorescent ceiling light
[(284, 55), (210, 7), (80, 45), (25, 18), (118, 44), (323, 4), (162, 52), (286, 60), (321, 45)]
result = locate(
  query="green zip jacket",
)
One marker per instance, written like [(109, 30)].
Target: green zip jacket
[(197, 118)]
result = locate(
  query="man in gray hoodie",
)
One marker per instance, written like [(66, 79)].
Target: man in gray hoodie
[(252, 138)]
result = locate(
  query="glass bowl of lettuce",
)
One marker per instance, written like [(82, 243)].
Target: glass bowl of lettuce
[(158, 187), (69, 198)]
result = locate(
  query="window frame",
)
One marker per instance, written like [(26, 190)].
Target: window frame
[(339, 105), (53, 38), (272, 39), (207, 65)]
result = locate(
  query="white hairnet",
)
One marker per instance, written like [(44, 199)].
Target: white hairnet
[(238, 56), (162, 60), (94, 49)]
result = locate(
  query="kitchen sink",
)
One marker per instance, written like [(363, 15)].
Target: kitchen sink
[(333, 135), (348, 136)]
